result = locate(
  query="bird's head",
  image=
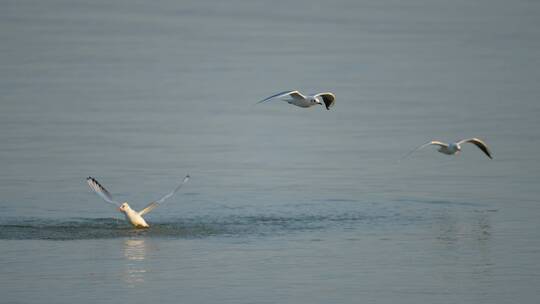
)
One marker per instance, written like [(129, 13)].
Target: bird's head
[(124, 207), (315, 100), (456, 147)]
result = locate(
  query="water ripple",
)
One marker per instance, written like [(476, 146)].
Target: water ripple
[(99, 228)]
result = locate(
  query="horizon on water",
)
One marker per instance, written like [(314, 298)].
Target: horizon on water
[(284, 204)]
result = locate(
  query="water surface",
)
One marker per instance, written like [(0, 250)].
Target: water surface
[(285, 205)]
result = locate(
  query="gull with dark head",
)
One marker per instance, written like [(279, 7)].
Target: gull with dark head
[(455, 147), (304, 101), (134, 217)]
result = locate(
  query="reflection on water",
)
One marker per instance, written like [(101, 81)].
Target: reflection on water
[(135, 255), (453, 229), (469, 234)]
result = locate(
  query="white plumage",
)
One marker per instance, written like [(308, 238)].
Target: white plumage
[(134, 217), (455, 147), (304, 101)]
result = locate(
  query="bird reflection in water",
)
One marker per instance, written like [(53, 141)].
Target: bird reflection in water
[(470, 232), (134, 254)]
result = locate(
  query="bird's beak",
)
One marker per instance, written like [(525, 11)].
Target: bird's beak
[(119, 209)]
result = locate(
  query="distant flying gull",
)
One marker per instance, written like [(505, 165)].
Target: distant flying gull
[(455, 148), (297, 99), (134, 217)]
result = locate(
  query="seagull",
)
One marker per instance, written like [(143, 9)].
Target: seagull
[(296, 98), (455, 147), (134, 217)]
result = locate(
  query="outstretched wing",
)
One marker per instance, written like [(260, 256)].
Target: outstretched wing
[(479, 143), (433, 142), (101, 191), (160, 201), (293, 94), (328, 98), (148, 208)]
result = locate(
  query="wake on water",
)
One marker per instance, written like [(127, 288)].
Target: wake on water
[(102, 228), (292, 218)]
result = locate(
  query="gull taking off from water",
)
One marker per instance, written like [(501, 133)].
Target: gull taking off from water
[(455, 148), (297, 99), (134, 217)]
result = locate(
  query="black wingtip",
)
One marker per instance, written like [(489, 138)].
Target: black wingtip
[(93, 180)]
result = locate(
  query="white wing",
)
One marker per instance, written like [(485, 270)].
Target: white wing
[(153, 205), (433, 142), (328, 98), (293, 94), (101, 191), (148, 208), (479, 143)]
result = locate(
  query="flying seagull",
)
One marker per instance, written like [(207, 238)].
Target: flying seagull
[(296, 98), (455, 147), (134, 217)]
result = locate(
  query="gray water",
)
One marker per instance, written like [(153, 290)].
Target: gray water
[(285, 205)]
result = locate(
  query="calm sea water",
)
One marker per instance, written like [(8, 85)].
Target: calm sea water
[(285, 205)]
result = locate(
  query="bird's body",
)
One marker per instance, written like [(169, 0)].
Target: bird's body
[(455, 147), (304, 101), (132, 216), (449, 149)]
